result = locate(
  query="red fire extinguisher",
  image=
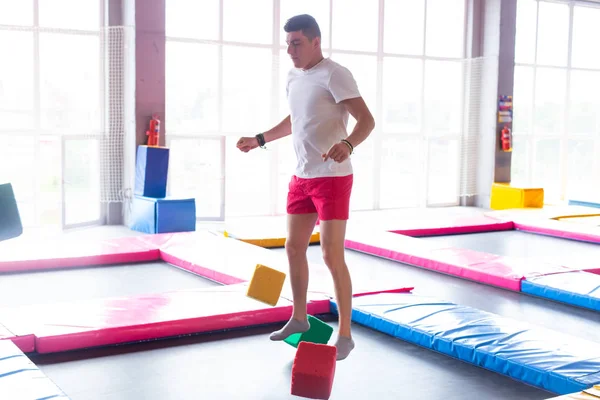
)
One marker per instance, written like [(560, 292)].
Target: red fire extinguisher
[(154, 132), (506, 139)]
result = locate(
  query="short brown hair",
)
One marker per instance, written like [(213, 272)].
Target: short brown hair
[(305, 23)]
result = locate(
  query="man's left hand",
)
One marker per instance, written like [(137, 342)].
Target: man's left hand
[(338, 152)]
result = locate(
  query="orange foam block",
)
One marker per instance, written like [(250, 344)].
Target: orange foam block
[(313, 370), (266, 285)]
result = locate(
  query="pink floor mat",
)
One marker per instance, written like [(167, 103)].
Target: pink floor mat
[(481, 267), (451, 225), (76, 253), (224, 260), (231, 261), (70, 326), (560, 229)]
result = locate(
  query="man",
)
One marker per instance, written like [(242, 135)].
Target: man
[(321, 95)]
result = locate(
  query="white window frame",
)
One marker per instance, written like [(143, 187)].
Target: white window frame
[(377, 135), (531, 138), (37, 132)]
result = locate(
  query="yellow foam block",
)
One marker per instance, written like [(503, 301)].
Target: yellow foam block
[(266, 285), (505, 196)]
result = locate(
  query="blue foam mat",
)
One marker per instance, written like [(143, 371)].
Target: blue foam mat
[(540, 357), (21, 378), (577, 288)]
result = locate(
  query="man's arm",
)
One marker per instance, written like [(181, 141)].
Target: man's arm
[(365, 123), (282, 129)]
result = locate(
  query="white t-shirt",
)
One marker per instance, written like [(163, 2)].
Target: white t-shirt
[(318, 119)]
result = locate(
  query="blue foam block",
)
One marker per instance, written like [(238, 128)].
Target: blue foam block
[(152, 168), (151, 215), (584, 203), (578, 288), (10, 219), (540, 357), (21, 378)]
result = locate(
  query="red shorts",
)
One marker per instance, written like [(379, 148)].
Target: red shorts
[(329, 197)]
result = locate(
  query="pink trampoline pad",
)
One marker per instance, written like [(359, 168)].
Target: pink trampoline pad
[(481, 267), (158, 240), (389, 245), (65, 253), (25, 343), (231, 261), (451, 225), (224, 260), (560, 229), (61, 327)]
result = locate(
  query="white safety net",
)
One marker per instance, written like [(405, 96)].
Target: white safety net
[(479, 107)]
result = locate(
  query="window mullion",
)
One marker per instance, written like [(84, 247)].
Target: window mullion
[(424, 151), (275, 67), (564, 142), (37, 112)]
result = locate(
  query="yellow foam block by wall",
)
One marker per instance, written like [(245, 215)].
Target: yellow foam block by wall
[(505, 196), (266, 285)]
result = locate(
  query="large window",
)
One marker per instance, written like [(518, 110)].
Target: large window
[(226, 68), (51, 87), (556, 102)]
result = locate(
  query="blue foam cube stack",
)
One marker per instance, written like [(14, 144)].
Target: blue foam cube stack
[(151, 210)]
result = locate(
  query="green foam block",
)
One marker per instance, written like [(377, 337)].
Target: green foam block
[(319, 332)]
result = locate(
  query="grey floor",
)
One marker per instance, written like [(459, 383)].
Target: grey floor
[(55, 286)]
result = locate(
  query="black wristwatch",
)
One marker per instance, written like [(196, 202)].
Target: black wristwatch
[(261, 140)]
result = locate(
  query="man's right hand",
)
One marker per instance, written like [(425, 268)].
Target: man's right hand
[(246, 144)]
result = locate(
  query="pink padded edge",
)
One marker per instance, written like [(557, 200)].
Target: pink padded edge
[(481, 267), (230, 261), (170, 256), (454, 225), (62, 327), (561, 229), (399, 290), (68, 254), (215, 257), (25, 343)]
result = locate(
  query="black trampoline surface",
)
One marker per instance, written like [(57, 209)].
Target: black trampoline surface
[(247, 365), (524, 244), (85, 283)]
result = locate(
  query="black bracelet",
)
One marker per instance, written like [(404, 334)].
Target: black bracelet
[(261, 140), (349, 145)]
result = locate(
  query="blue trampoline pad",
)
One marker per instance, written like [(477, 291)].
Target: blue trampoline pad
[(537, 356)]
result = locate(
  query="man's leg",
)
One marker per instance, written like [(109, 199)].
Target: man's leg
[(301, 221), (333, 233), (300, 228), (333, 201)]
